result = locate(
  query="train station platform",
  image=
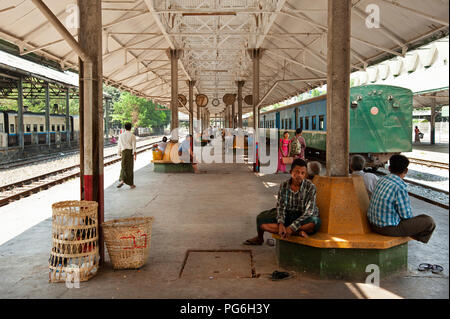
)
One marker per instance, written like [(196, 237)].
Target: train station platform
[(209, 212), (434, 152)]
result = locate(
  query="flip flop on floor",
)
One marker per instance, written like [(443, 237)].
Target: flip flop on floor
[(281, 275), (435, 269), (252, 243)]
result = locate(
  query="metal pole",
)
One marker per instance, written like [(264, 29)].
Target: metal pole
[(108, 106), (240, 99), (19, 127), (90, 40), (433, 121), (256, 54), (174, 56), (68, 117), (191, 85), (47, 114), (338, 87)]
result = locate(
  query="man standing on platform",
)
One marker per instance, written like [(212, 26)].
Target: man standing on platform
[(296, 212), (389, 211), (298, 145), (126, 149)]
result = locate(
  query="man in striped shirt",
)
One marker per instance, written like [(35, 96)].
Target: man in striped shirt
[(389, 211), (296, 212)]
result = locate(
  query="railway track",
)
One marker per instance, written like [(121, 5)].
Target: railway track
[(428, 163), (49, 157), (24, 188)]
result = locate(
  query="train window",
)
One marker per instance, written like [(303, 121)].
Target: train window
[(300, 122), (53, 128), (63, 128), (57, 128), (321, 122), (307, 123), (290, 123), (11, 128), (34, 127), (314, 126), (28, 128), (41, 128)]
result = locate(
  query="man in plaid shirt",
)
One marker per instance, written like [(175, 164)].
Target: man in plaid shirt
[(389, 211), (296, 212)]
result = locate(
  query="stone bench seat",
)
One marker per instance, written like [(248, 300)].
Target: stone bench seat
[(366, 241), (345, 244), (171, 162)]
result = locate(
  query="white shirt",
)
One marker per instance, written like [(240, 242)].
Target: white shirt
[(127, 141), (162, 146), (370, 180)]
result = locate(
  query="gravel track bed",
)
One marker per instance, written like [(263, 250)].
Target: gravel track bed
[(18, 174)]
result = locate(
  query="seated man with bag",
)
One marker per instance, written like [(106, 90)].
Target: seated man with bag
[(296, 212)]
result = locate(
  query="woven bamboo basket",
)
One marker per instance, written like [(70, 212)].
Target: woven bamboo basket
[(75, 250), (128, 241)]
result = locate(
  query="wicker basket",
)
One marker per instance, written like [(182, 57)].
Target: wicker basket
[(74, 241), (128, 241)]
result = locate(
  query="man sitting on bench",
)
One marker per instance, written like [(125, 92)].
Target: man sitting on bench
[(389, 211), (296, 212)]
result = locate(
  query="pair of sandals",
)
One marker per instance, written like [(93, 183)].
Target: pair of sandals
[(435, 269)]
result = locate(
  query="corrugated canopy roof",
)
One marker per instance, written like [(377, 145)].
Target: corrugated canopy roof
[(215, 35)]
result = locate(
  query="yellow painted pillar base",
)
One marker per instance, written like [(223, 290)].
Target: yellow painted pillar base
[(343, 203)]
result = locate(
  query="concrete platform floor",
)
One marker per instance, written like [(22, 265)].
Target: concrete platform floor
[(216, 210), (436, 152)]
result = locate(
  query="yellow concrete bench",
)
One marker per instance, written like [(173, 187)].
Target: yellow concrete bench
[(348, 228), (171, 162), (345, 244), (366, 241)]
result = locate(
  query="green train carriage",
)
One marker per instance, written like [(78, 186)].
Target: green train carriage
[(380, 122)]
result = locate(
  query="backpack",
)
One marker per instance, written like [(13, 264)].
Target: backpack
[(296, 147)]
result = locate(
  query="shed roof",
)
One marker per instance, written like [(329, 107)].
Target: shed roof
[(215, 35)]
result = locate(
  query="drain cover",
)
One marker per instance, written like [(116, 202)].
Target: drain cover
[(217, 264)]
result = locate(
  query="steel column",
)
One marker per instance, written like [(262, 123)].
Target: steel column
[(338, 87), (174, 55), (91, 86), (68, 129), (240, 99), (19, 127), (433, 121), (191, 85), (47, 114), (107, 119)]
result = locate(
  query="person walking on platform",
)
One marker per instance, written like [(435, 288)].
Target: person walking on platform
[(417, 134), (126, 149), (283, 151), (296, 212), (298, 145), (389, 211)]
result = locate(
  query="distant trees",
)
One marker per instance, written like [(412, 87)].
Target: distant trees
[(140, 112), (125, 107)]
